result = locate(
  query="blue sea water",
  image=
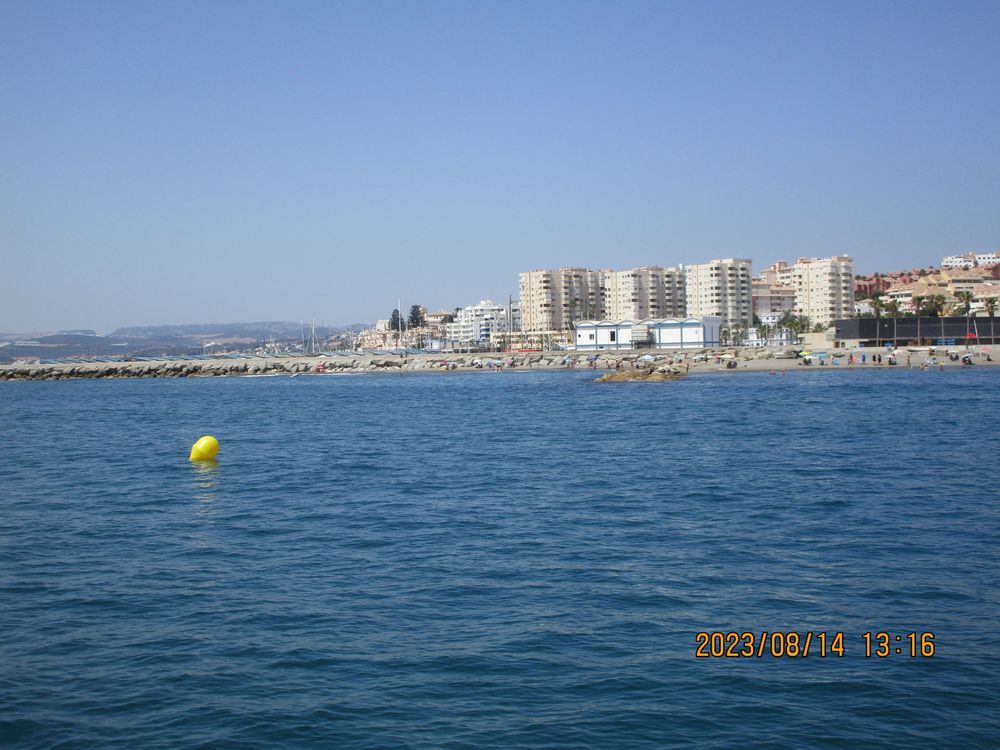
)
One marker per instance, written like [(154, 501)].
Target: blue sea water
[(495, 561)]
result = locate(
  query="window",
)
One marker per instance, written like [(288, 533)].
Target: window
[(613, 335)]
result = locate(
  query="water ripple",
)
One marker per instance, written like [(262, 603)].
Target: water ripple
[(489, 561)]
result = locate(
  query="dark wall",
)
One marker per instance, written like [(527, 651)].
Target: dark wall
[(905, 329)]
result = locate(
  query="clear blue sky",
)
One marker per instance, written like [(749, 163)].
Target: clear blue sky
[(179, 162)]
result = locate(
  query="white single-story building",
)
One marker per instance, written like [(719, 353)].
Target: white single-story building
[(652, 333)]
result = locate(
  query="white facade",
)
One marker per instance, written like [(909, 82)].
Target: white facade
[(645, 292), (824, 288), (901, 295), (778, 272), (969, 260), (772, 298), (720, 288), (773, 337), (552, 300), (478, 324), (652, 333)]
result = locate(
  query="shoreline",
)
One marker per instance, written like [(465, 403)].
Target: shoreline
[(689, 362)]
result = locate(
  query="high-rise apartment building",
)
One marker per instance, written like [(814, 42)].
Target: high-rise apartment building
[(483, 323), (646, 292), (551, 301), (824, 288), (779, 273), (720, 288), (771, 301)]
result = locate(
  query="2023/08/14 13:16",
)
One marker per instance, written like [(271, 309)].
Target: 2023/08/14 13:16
[(777, 644)]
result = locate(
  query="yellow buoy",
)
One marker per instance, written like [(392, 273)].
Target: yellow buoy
[(205, 449)]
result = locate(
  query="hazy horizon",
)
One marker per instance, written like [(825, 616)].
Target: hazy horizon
[(168, 164)]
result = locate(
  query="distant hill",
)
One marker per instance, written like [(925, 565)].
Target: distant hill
[(262, 331), (153, 341)]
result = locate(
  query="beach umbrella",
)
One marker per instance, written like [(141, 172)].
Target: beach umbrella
[(804, 354)]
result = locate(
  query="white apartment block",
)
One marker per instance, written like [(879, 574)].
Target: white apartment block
[(970, 260), (772, 299), (551, 301), (720, 288), (482, 323), (646, 292), (779, 273), (824, 288)]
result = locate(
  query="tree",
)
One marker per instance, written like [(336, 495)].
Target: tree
[(966, 299), (917, 301), (787, 320), (892, 308), (449, 318), (394, 321), (416, 318), (818, 328), (990, 303), (877, 307), (934, 305)]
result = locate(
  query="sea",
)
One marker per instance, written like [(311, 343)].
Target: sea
[(502, 560)]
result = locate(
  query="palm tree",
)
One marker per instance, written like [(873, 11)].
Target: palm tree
[(877, 306), (917, 301), (991, 308), (892, 307), (966, 299), (935, 305)]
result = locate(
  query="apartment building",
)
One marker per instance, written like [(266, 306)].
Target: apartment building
[(552, 301), (720, 288), (772, 300), (778, 273), (824, 288), (645, 292), (483, 323), (970, 260)]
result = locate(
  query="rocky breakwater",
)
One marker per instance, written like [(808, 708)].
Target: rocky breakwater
[(153, 369), (624, 365)]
